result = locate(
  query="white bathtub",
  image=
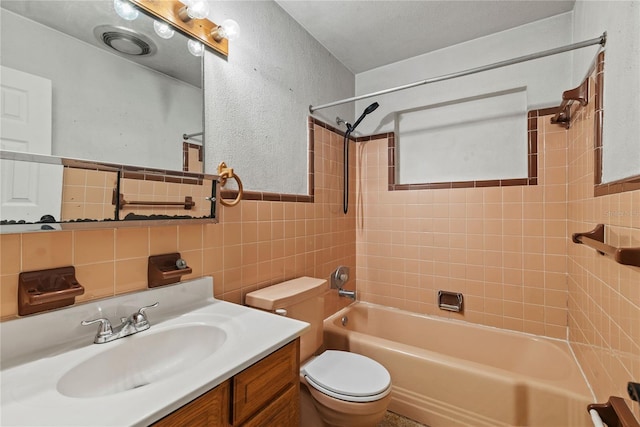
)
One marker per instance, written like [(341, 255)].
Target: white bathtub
[(452, 373)]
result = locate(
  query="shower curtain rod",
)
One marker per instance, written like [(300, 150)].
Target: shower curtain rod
[(599, 40)]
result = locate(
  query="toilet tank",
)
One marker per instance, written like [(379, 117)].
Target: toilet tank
[(303, 299)]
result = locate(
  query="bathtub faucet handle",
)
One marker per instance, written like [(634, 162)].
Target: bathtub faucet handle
[(338, 280), (339, 277)]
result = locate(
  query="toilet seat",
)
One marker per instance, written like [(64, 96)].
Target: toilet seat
[(348, 376)]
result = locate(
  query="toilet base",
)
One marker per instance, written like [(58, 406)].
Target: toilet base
[(309, 416), (320, 410)]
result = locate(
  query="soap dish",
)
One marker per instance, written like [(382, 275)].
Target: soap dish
[(43, 290), (166, 269)]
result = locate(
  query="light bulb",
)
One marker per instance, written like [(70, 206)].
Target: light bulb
[(229, 29), (195, 48), (125, 10), (198, 9), (163, 29)]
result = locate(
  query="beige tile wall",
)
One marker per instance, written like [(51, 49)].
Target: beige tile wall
[(255, 244), (158, 191), (508, 250), (87, 194), (604, 297), (504, 248)]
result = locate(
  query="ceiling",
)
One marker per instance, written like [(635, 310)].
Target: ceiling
[(366, 34)]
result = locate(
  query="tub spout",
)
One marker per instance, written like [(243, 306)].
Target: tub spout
[(348, 294)]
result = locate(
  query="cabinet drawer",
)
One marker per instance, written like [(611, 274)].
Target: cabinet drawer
[(282, 412), (262, 382), (210, 409)]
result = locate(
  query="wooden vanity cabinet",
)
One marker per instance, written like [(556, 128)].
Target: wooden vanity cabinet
[(266, 393), (210, 409), (262, 384)]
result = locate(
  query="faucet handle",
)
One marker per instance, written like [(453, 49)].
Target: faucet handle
[(103, 330), (139, 319), (146, 307)]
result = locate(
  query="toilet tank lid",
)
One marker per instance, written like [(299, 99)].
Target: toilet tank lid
[(286, 293)]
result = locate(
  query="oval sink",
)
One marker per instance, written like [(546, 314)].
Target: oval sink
[(141, 359)]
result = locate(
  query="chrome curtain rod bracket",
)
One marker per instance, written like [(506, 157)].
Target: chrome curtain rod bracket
[(602, 40), (186, 136)]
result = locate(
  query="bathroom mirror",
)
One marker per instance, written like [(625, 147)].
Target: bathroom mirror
[(79, 81), (108, 89)]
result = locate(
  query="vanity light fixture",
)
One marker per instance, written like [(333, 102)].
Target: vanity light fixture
[(194, 9), (125, 10), (162, 29), (190, 18)]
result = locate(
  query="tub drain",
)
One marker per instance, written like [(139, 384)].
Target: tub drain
[(344, 320)]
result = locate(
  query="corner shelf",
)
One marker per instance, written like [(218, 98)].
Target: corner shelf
[(595, 239)]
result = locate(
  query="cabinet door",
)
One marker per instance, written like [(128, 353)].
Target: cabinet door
[(282, 412), (259, 384), (209, 410)]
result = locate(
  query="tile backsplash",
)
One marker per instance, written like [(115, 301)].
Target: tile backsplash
[(256, 243), (504, 248)]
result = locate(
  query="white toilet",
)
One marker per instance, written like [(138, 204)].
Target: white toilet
[(338, 388)]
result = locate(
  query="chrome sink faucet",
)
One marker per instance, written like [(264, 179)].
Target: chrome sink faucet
[(133, 324)]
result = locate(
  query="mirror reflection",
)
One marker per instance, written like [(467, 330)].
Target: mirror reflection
[(50, 193), (31, 190), (79, 81)]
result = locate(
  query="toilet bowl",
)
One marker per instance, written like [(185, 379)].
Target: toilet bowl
[(348, 389), (338, 388)]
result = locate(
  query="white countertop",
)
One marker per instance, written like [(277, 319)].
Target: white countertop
[(30, 372)]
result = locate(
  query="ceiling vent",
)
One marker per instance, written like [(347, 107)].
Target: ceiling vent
[(124, 40)]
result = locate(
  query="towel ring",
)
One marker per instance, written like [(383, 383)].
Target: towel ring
[(225, 173)]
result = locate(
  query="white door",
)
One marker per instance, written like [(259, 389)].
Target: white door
[(29, 190)]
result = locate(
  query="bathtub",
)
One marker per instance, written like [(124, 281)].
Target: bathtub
[(453, 373)]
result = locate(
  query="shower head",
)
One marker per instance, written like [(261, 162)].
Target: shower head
[(370, 109)]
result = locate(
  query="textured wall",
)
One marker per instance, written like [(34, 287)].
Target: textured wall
[(621, 21), (257, 101), (545, 79), (541, 81)]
